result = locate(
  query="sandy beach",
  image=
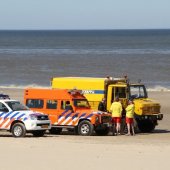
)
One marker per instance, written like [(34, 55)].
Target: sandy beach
[(69, 151)]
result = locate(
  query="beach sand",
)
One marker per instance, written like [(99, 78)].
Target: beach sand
[(68, 151)]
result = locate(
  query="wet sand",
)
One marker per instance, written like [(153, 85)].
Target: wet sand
[(68, 151)]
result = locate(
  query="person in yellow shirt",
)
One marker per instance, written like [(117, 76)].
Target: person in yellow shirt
[(116, 110), (129, 117)]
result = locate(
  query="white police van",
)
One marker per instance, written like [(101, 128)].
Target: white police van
[(19, 119)]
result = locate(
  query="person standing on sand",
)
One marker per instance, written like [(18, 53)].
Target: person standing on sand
[(129, 117), (116, 110), (102, 105)]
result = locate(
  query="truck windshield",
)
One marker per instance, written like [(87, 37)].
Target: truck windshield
[(81, 103), (16, 105), (137, 91)]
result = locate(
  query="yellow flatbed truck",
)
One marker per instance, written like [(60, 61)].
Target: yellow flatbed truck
[(147, 111)]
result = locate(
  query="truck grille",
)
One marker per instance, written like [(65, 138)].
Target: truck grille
[(151, 110), (42, 117)]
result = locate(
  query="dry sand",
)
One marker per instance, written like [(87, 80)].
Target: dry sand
[(53, 152)]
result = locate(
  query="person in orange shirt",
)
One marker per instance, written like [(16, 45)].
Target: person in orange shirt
[(129, 117), (116, 110)]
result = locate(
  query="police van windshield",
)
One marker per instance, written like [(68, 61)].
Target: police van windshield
[(81, 103), (16, 105), (137, 91)]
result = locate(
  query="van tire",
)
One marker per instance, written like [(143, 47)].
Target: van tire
[(85, 128), (55, 131), (18, 130), (38, 133)]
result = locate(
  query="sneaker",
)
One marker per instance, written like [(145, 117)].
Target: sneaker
[(127, 134)]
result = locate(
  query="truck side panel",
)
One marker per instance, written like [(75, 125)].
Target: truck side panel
[(92, 88)]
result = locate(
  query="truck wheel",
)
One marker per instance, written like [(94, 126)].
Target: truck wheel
[(38, 133), (102, 132), (55, 131), (18, 130), (85, 128), (146, 126)]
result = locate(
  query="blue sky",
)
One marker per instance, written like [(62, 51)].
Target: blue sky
[(84, 14)]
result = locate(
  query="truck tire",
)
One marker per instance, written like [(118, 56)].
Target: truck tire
[(55, 131), (85, 128), (146, 126), (18, 130), (102, 132), (38, 133)]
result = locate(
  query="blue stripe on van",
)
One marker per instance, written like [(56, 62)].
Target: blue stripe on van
[(93, 91), (2, 114), (89, 116), (68, 115), (7, 114), (62, 114), (19, 117), (14, 115), (82, 115)]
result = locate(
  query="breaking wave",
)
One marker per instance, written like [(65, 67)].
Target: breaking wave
[(13, 86), (156, 88)]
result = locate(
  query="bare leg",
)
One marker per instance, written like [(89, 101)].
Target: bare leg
[(133, 131), (114, 128), (128, 126), (118, 128)]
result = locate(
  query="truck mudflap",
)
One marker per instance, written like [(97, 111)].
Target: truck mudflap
[(149, 117)]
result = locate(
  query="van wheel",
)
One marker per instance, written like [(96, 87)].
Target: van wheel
[(38, 133), (55, 131), (18, 130), (85, 128)]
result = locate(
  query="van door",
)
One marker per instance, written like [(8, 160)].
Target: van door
[(52, 110), (66, 112)]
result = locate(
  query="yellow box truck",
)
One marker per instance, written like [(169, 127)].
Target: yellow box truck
[(147, 111)]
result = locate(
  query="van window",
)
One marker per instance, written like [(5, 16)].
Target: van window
[(81, 103), (51, 104), (3, 107), (65, 104), (35, 103)]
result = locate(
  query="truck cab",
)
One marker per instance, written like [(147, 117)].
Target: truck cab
[(147, 111), (19, 119), (68, 109)]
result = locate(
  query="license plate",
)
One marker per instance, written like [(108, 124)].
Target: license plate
[(44, 126)]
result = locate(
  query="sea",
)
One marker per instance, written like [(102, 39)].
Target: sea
[(30, 58)]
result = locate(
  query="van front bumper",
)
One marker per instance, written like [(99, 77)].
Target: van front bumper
[(38, 125)]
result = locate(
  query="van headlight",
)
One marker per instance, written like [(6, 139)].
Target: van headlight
[(97, 119), (33, 117)]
